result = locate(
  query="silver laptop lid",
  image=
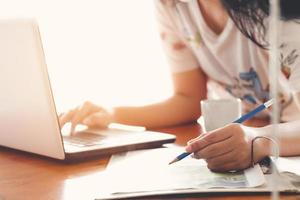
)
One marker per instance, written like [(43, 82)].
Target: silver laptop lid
[(28, 119)]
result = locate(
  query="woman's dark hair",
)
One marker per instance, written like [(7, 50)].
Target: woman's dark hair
[(250, 16)]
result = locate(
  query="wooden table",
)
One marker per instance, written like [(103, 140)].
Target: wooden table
[(25, 176)]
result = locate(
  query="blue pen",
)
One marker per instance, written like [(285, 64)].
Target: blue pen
[(245, 117)]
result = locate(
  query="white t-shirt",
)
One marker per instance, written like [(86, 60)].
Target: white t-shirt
[(234, 65)]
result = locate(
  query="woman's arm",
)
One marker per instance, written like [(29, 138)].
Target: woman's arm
[(288, 137), (229, 148), (182, 107)]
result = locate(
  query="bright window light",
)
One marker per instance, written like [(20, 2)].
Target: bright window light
[(108, 52)]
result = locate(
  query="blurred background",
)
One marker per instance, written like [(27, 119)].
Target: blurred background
[(106, 51)]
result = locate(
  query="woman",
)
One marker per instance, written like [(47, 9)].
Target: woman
[(216, 48)]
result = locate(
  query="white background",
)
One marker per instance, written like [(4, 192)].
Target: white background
[(106, 51)]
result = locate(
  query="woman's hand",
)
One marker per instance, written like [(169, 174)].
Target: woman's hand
[(87, 114), (229, 148)]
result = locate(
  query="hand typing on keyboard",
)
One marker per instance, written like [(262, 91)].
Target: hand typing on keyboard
[(87, 114), (84, 139)]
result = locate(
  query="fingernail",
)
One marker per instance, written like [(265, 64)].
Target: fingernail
[(188, 148)]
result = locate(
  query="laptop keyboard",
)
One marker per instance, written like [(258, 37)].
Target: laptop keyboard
[(84, 139)]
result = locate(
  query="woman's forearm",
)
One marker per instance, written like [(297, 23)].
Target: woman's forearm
[(178, 109), (288, 137)]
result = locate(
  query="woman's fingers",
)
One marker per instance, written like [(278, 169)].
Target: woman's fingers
[(60, 115), (216, 149), (84, 110), (225, 149), (233, 160), (99, 119), (197, 138), (66, 117), (210, 138), (77, 115)]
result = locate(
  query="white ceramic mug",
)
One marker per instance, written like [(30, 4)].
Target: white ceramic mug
[(218, 113)]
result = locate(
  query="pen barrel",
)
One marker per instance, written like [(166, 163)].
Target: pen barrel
[(183, 155), (250, 114)]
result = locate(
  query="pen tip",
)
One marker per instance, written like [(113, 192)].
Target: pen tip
[(173, 161)]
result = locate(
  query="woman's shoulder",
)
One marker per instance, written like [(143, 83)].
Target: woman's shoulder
[(168, 13), (170, 5), (165, 3)]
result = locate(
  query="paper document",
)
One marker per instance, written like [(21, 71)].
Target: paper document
[(289, 167), (289, 164), (148, 170)]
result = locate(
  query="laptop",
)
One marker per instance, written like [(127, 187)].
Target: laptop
[(28, 117)]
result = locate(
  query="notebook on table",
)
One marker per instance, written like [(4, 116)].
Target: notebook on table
[(145, 173)]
